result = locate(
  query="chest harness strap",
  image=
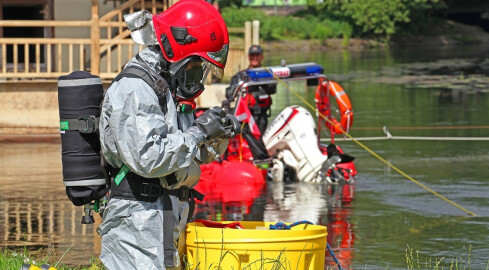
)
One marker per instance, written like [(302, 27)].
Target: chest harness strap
[(137, 188), (130, 186)]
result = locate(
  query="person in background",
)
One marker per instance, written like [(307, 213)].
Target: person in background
[(259, 103), (153, 145), (260, 109)]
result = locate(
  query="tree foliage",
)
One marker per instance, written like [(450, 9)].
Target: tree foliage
[(346, 18), (287, 27), (376, 17)]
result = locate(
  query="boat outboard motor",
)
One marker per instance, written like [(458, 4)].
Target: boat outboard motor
[(79, 97), (291, 139)]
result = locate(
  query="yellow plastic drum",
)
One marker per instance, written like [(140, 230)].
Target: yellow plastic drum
[(255, 247)]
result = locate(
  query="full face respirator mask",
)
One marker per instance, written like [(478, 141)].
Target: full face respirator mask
[(188, 77)]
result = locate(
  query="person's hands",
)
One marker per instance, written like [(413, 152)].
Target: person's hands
[(215, 123), (232, 124)]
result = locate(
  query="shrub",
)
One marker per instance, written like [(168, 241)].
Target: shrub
[(289, 27), (381, 18)]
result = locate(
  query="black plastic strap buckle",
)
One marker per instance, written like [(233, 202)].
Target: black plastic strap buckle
[(150, 190), (197, 195), (183, 193), (90, 124)]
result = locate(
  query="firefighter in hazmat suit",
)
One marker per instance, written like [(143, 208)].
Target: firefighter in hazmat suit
[(150, 140)]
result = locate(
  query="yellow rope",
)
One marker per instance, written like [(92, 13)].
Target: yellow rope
[(241, 143), (371, 151), (428, 128)]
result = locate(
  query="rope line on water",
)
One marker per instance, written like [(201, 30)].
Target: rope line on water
[(426, 127), (369, 150), (415, 138)]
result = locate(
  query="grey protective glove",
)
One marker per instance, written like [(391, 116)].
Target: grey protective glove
[(214, 123)]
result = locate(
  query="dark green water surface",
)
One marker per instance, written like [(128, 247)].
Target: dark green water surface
[(388, 211), (414, 92)]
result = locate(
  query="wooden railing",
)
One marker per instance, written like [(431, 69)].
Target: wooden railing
[(237, 60), (115, 59), (104, 53), (114, 19), (56, 49)]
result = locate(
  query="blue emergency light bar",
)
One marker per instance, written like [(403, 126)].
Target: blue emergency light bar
[(294, 70)]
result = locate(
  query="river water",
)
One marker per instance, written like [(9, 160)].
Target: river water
[(413, 92)]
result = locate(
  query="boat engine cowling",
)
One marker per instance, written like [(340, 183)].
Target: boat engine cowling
[(291, 138)]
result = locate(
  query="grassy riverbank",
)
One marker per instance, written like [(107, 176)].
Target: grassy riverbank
[(13, 260), (448, 33), (415, 260), (333, 26)]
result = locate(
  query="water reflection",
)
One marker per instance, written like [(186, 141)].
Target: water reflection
[(36, 225), (35, 213), (230, 202), (34, 210), (330, 206)]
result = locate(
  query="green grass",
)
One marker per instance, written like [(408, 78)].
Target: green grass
[(415, 262), (13, 260), (281, 262)]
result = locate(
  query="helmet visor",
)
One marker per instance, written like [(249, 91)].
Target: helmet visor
[(220, 56), (216, 71), (196, 71)]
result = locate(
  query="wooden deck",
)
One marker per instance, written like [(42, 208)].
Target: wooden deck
[(29, 67), (103, 53)]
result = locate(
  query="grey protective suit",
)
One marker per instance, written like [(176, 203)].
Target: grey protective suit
[(134, 131)]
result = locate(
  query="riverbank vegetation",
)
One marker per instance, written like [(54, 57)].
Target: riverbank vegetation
[(13, 260), (414, 261), (288, 27), (382, 20)]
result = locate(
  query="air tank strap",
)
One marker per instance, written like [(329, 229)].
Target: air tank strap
[(158, 84), (84, 124), (138, 188)]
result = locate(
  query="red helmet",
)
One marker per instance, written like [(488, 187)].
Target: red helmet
[(192, 28)]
